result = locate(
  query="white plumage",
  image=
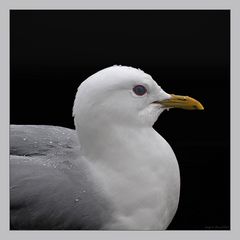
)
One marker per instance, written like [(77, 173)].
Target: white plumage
[(129, 170)]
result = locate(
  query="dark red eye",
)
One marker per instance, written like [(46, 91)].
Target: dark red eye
[(139, 90)]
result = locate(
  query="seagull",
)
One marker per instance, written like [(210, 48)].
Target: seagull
[(114, 172)]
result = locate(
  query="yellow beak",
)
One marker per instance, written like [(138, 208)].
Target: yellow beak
[(183, 102)]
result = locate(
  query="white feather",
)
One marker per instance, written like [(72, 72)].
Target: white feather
[(135, 166)]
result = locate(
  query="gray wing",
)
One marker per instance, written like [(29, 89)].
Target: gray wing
[(38, 140), (51, 186)]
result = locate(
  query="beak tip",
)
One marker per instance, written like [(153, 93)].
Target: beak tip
[(200, 107)]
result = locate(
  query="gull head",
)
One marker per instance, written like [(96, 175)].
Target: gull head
[(121, 95)]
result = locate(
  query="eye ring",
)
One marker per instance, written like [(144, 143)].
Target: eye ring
[(139, 90)]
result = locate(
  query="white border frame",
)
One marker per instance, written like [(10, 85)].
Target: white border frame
[(6, 5)]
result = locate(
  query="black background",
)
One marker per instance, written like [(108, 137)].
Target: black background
[(186, 52)]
